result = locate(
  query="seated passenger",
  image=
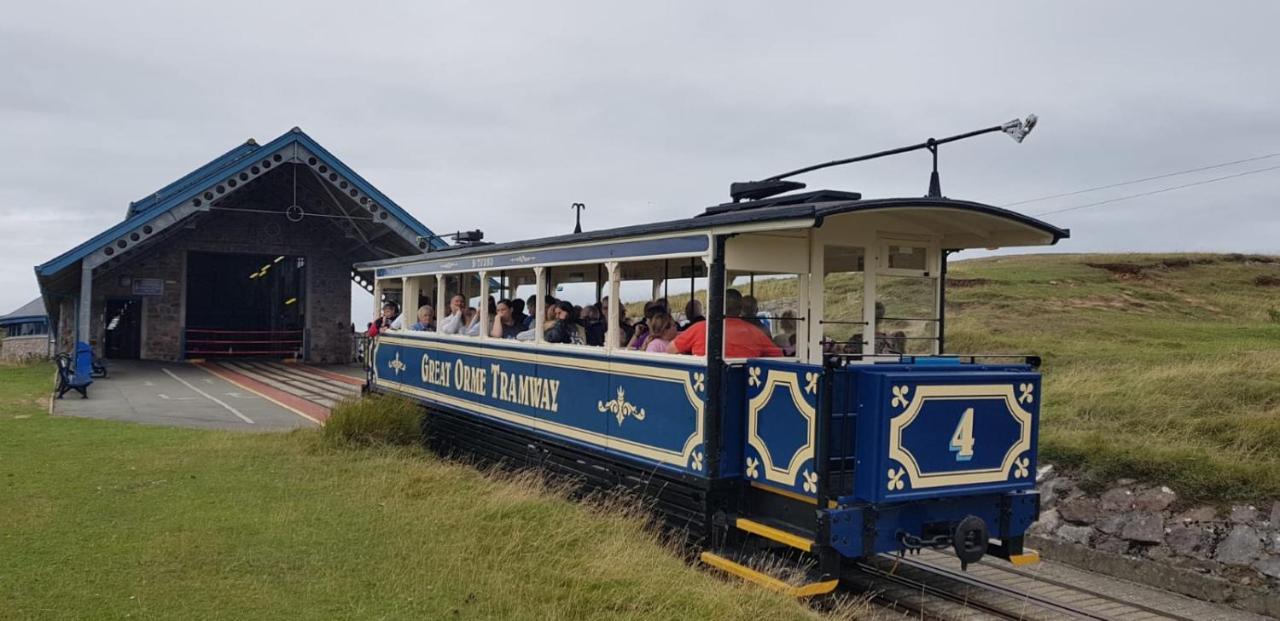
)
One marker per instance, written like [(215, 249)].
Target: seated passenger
[(640, 331), (504, 325), (385, 319), (662, 331), (426, 319), (786, 337), (741, 339), (566, 328), (692, 313), (594, 325), (517, 313), (751, 314), (531, 309), (471, 317), (455, 323), (888, 343)]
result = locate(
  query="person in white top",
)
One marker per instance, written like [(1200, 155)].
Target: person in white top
[(455, 323)]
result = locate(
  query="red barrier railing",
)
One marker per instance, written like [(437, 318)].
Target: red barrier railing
[(211, 342)]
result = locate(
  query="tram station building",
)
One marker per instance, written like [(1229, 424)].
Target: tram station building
[(250, 254)]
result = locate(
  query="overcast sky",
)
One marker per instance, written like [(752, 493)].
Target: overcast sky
[(499, 115)]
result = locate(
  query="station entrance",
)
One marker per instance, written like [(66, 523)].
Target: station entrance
[(245, 305)]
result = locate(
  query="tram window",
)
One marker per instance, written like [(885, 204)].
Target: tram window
[(843, 291), (906, 315), (771, 303), (907, 257), (576, 318), (462, 319)]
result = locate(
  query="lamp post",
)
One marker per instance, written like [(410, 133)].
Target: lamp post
[(577, 207)]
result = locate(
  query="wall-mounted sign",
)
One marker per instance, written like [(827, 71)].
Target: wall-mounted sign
[(148, 286)]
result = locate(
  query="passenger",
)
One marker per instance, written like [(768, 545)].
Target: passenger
[(455, 323), (384, 320), (625, 329), (531, 309), (741, 339), (662, 331), (471, 317), (786, 337), (751, 313), (504, 325), (888, 343), (594, 325), (566, 328), (692, 313), (640, 331), (426, 319), (517, 313)]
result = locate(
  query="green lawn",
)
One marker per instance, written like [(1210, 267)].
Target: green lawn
[(110, 520), (1170, 375)]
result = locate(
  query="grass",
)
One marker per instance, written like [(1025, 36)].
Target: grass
[(1164, 368), (108, 520)]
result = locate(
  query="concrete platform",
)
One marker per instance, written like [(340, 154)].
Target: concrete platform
[(182, 395)]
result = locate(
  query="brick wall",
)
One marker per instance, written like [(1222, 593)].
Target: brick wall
[(327, 290)]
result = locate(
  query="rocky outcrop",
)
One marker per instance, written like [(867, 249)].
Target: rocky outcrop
[(1241, 544)]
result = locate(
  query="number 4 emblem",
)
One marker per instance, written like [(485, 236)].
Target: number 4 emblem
[(962, 438)]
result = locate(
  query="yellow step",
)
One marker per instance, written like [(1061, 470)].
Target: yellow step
[(769, 582), (774, 534)]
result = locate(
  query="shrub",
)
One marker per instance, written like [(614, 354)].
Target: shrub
[(374, 420), (1274, 314)]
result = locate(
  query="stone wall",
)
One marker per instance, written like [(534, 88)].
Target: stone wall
[(1239, 544), (327, 290), (22, 348)]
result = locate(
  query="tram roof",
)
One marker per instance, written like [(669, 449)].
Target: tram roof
[(742, 215)]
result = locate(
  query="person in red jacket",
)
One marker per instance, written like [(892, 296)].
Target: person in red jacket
[(741, 339)]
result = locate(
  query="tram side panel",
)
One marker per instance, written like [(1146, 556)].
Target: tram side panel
[(648, 414)]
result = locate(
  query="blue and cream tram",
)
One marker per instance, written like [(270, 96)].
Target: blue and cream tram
[(862, 438)]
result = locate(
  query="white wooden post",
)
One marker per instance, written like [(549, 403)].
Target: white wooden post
[(441, 309), (484, 305), (612, 326), (871, 268), (540, 275)]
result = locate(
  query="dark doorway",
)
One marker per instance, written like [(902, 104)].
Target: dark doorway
[(123, 329), (245, 305)]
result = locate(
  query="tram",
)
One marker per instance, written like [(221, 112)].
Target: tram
[(856, 435)]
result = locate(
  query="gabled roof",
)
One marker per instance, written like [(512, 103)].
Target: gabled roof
[(200, 180), (212, 168), (29, 311)]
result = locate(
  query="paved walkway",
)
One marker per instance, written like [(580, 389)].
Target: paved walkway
[(235, 395)]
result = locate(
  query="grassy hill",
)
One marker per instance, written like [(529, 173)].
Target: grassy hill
[(107, 520), (1159, 367)]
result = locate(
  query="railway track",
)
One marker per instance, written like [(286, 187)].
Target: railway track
[(923, 587)]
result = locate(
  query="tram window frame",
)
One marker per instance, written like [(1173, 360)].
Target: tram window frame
[(660, 275), (845, 346), (594, 273), (801, 306), (521, 277), (460, 281), (930, 272)]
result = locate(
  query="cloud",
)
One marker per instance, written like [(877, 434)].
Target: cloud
[(499, 115)]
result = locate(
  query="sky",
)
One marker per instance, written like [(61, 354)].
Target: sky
[(499, 115)]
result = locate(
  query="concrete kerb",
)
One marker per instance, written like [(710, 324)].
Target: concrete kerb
[(1161, 576)]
